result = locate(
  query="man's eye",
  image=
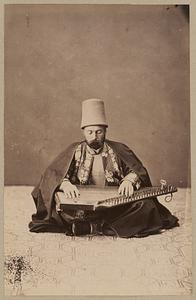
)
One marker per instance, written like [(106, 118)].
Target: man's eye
[(90, 132), (99, 131)]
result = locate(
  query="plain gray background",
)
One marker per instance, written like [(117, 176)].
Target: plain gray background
[(136, 58)]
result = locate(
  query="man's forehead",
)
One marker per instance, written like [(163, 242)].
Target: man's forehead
[(94, 127)]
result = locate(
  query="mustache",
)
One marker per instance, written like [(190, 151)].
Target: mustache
[(95, 144)]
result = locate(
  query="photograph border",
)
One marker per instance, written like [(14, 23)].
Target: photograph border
[(193, 140)]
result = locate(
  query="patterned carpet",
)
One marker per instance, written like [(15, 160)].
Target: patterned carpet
[(54, 264)]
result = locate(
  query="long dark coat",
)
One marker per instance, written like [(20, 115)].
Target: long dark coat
[(152, 217)]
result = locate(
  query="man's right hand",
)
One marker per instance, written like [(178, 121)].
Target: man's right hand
[(70, 189)]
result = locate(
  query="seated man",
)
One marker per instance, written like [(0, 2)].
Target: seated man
[(100, 162)]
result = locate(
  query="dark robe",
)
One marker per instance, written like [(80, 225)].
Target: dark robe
[(141, 218)]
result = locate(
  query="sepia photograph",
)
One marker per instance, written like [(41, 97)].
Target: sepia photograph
[(97, 169)]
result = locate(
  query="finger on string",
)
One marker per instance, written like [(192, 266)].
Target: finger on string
[(123, 190), (72, 194), (69, 195), (130, 190), (126, 191)]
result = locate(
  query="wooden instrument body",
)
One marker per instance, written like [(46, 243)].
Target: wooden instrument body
[(91, 197), (88, 199)]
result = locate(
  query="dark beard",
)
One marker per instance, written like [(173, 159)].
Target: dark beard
[(95, 144)]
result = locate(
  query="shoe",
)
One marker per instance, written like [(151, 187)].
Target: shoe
[(106, 230), (81, 228)]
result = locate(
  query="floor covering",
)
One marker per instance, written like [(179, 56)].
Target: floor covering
[(55, 264)]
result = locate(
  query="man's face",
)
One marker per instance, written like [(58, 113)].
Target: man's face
[(95, 136)]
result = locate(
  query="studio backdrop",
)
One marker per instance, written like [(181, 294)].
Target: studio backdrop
[(134, 57)]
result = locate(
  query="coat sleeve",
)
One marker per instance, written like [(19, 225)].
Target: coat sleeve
[(132, 162), (50, 180), (136, 166)]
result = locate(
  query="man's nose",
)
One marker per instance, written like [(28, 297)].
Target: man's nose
[(94, 135)]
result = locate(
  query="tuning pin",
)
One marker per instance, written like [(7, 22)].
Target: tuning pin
[(163, 184)]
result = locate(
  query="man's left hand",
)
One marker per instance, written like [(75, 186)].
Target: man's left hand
[(126, 188)]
